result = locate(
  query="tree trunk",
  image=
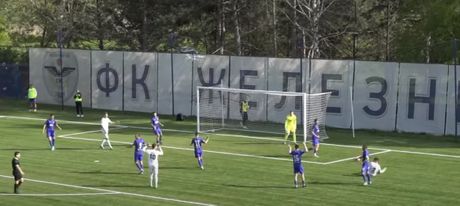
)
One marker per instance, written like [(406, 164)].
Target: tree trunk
[(100, 35), (237, 27), (144, 27), (314, 47), (222, 26), (294, 36), (275, 35)]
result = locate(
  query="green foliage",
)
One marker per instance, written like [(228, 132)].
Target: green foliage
[(393, 30)]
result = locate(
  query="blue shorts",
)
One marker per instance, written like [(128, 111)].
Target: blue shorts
[(138, 156), (315, 141), (50, 133), (32, 100), (298, 169), (157, 131), (365, 167), (198, 154)]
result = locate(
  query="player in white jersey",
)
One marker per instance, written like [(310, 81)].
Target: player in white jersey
[(153, 153), (105, 121), (375, 167)]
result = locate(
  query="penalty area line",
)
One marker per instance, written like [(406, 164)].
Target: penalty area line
[(351, 158), (115, 192), (210, 151), (248, 137), (88, 132)]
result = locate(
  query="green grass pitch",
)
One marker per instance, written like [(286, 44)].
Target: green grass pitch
[(422, 169)]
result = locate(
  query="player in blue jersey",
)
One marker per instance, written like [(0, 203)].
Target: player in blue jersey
[(315, 137), (156, 126), (49, 125), (365, 172), (139, 145), (297, 160), (197, 142)]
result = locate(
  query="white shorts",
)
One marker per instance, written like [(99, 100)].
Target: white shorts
[(153, 169), (104, 132)]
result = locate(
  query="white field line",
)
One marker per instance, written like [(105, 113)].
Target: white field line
[(249, 137), (60, 195), (88, 132), (352, 158), (190, 149), (115, 192)]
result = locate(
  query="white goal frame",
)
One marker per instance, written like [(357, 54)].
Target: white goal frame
[(250, 91)]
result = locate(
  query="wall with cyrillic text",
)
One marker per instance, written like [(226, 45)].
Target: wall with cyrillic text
[(386, 96)]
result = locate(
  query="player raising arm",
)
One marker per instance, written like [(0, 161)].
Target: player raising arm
[(138, 144), (290, 126), (197, 142), (364, 157), (156, 126), (49, 126), (154, 154), (297, 160)]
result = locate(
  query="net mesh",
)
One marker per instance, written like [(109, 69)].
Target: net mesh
[(221, 109)]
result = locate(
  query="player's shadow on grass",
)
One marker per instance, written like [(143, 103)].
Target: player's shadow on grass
[(126, 186), (356, 174), (259, 186), (259, 143), (331, 183), (44, 148), (105, 173), (176, 168)]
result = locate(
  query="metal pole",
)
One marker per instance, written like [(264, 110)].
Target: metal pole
[(454, 56)]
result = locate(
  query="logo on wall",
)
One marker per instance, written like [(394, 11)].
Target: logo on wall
[(53, 71)]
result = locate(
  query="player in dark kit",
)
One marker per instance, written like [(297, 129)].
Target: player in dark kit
[(297, 160), (17, 172), (156, 126), (197, 142)]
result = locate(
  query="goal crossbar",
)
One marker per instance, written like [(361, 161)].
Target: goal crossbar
[(222, 111)]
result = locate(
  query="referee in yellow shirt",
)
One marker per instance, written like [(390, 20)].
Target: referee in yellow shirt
[(32, 96), (244, 108), (78, 103), (290, 126)]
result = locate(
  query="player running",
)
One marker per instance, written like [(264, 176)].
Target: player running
[(315, 137), (105, 121), (364, 157), (17, 172), (138, 152), (197, 142), (375, 167), (297, 160), (290, 126), (156, 126), (154, 154), (49, 126)]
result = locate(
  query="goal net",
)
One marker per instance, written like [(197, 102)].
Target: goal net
[(221, 108)]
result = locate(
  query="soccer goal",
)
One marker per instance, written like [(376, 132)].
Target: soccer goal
[(219, 108)]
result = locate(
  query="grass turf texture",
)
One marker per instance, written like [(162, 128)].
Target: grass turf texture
[(412, 179)]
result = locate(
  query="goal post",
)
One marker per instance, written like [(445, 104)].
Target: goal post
[(219, 108)]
